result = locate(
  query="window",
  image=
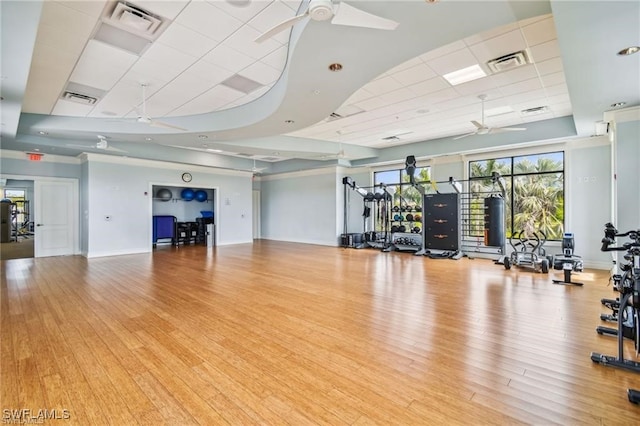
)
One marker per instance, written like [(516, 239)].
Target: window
[(398, 180), (534, 191)]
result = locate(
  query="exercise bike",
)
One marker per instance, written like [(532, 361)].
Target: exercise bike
[(568, 261), (528, 253)]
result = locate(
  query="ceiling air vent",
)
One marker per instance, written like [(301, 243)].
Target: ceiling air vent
[(508, 62), (391, 138), (334, 116), (134, 19), (79, 98), (534, 111)]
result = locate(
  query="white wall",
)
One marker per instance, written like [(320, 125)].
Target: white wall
[(301, 207), (628, 175), (120, 189)]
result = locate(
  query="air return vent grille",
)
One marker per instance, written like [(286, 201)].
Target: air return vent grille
[(508, 62), (534, 110), (79, 98)]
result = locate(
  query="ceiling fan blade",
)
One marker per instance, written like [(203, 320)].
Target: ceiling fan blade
[(281, 27), (154, 123), (354, 17), (478, 125), (464, 136)]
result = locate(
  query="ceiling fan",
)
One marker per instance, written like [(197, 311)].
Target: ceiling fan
[(256, 170), (143, 117), (102, 144), (340, 14), (483, 129)]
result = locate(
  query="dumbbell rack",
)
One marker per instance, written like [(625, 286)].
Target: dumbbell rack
[(403, 240), (406, 241)]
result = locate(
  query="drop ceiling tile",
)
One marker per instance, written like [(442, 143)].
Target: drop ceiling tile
[(62, 38), (167, 9), (556, 90), (442, 51), (271, 16), (549, 66), (430, 86), (529, 21), (382, 85), (208, 74), (101, 65), (489, 34), (71, 109), (228, 58), (515, 75), (43, 90), (58, 14), (169, 98), (371, 103), (498, 46), (92, 8), (415, 74), (457, 60), (186, 40), (544, 51), (212, 100), (121, 100), (396, 96), (243, 41), (359, 95), (173, 59), (406, 65), (553, 79), (277, 59), (243, 10), (521, 87), (293, 4), (559, 99), (146, 70), (262, 73), (540, 32), (208, 20), (481, 85)]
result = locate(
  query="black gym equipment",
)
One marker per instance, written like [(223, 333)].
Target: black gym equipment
[(567, 261), (630, 291)]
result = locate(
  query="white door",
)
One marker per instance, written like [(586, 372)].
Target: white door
[(55, 207), (256, 215)]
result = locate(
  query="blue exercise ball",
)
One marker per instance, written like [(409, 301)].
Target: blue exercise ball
[(164, 194), (201, 195), (187, 194)]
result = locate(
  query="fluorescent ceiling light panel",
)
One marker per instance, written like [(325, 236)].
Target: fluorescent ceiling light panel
[(241, 84), (122, 39), (464, 75)]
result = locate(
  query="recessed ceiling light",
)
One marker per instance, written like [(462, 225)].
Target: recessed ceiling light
[(629, 50), (618, 104), (36, 149), (148, 139), (41, 132), (275, 153), (203, 136), (316, 92), (289, 121), (464, 75), (335, 67)]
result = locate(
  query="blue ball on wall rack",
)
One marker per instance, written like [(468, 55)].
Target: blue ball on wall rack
[(201, 195), (187, 194)]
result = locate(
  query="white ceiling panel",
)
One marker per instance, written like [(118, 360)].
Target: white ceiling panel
[(382, 85), (453, 61), (186, 40), (241, 9), (556, 90), (520, 87), (396, 96), (155, 73), (539, 32), (419, 72), (553, 79), (515, 75), (208, 74), (549, 66), (371, 103), (91, 8), (121, 100), (544, 51), (101, 65), (481, 85), (212, 100), (72, 109), (277, 59), (262, 73), (169, 57), (430, 86), (359, 95), (59, 14), (168, 9), (228, 58), (406, 65), (243, 41), (208, 20)]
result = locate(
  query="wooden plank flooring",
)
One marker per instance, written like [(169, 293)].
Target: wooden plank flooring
[(282, 333)]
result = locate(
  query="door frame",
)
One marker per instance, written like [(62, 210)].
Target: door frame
[(75, 206)]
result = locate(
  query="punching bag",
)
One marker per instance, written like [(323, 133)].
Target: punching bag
[(494, 221)]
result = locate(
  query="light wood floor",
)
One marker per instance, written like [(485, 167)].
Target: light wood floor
[(281, 333)]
